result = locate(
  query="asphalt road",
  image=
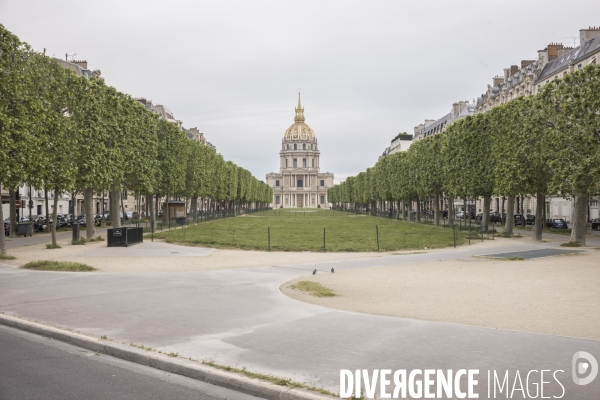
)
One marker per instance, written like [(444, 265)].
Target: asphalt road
[(239, 317), (33, 367)]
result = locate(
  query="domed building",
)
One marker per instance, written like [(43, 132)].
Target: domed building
[(299, 184)]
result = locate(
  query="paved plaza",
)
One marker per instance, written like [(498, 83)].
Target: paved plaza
[(240, 317)]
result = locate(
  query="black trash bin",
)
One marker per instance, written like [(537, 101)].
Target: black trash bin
[(124, 236), (25, 228), (181, 221)]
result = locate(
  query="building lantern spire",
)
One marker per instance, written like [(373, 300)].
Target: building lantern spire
[(299, 111)]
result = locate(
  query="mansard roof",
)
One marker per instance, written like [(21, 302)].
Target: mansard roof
[(579, 53)]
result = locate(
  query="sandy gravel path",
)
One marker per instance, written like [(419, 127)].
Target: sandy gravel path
[(555, 295)]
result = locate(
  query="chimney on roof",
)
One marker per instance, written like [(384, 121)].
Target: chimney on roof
[(82, 63), (497, 80), (586, 34), (564, 50), (525, 63), (553, 51), (514, 69)]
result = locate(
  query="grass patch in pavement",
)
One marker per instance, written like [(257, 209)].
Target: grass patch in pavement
[(517, 258), (4, 256), (279, 381), (52, 246), (314, 288), (48, 265), (571, 244), (303, 230)]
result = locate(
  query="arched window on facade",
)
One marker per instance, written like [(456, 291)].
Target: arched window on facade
[(295, 162), (304, 162), (288, 146), (295, 146)]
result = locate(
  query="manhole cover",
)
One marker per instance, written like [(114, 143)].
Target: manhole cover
[(529, 254)]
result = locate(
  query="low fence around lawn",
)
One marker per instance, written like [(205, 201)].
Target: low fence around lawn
[(279, 234)]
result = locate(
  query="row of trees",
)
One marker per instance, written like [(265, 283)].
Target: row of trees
[(65, 133), (536, 145)]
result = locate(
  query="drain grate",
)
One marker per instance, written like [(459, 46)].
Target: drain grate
[(529, 254)]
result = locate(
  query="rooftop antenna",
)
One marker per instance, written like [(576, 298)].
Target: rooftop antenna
[(574, 38), (70, 55)]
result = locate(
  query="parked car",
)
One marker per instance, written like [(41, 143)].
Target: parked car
[(460, 215), (496, 217), (557, 223), (529, 219), (595, 223), (518, 221)]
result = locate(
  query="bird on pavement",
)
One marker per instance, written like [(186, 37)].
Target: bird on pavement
[(314, 271), (332, 270)]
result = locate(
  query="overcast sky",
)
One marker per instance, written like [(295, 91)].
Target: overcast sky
[(367, 69)]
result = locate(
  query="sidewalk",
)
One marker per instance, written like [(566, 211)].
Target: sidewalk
[(40, 238), (591, 240)]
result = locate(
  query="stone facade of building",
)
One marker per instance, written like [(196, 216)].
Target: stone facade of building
[(299, 184)]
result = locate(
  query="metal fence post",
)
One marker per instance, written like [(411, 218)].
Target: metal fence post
[(269, 236), (454, 234), (469, 231), (324, 239), (377, 233)]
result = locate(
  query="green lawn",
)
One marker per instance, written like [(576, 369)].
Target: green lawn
[(302, 230)]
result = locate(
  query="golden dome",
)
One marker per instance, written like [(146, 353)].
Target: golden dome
[(299, 130)]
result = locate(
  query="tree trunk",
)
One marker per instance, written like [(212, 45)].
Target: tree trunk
[(539, 216), (122, 206), (12, 209), (90, 223), (436, 208), (579, 226), (485, 216), (54, 212), (113, 209), (522, 212), (2, 237), (48, 210), (510, 216), (194, 206), (450, 205), (502, 212), (150, 210), (156, 210)]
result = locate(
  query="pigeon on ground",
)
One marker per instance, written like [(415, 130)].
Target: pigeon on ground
[(332, 270), (314, 271)]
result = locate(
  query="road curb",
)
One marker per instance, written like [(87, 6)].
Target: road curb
[(165, 363)]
